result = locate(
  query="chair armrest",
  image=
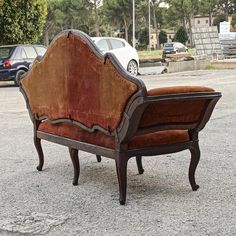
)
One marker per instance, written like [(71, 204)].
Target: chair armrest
[(178, 89), (180, 107)]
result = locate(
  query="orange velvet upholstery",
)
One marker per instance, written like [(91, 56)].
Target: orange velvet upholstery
[(74, 132), (72, 82), (178, 89), (175, 111)]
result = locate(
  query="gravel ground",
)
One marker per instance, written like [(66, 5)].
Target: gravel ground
[(159, 202)]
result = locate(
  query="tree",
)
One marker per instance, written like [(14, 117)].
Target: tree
[(209, 7), (228, 7), (143, 38), (181, 35), (162, 37), (186, 9), (22, 21), (155, 7), (95, 5), (65, 14), (119, 13), (218, 19)]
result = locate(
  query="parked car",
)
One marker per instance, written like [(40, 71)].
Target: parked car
[(125, 53), (15, 60), (173, 47)]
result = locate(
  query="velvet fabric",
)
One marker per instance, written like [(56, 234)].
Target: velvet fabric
[(74, 132), (73, 82), (176, 111), (178, 89)]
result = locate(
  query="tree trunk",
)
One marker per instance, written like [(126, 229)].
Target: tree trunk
[(190, 32), (210, 18), (183, 19), (46, 38), (155, 27), (96, 19), (126, 29)]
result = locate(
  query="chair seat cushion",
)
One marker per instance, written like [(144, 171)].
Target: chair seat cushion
[(177, 111), (74, 132)]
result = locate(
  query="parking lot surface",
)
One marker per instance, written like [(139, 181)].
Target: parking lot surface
[(159, 202)]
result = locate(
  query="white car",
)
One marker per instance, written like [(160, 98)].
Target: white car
[(125, 53)]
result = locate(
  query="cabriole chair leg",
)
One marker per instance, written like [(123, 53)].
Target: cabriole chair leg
[(75, 160), (195, 157), (121, 169), (37, 144), (139, 164)]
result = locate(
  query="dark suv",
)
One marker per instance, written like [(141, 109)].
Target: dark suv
[(16, 59)]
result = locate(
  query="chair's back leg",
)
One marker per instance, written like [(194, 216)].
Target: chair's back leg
[(98, 158), (139, 164), (195, 157), (75, 160)]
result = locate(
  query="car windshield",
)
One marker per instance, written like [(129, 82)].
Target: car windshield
[(168, 45), (5, 52)]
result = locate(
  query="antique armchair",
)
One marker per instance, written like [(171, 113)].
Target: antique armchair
[(86, 101)]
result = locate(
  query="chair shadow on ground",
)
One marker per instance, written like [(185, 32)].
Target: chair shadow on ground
[(104, 176)]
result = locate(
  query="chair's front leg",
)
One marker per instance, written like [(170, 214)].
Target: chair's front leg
[(37, 144), (195, 157), (121, 169), (75, 160)]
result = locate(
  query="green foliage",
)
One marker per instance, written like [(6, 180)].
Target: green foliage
[(218, 19), (182, 10), (181, 35), (208, 7), (119, 13), (65, 14), (22, 21), (233, 22), (143, 39), (227, 6), (162, 37)]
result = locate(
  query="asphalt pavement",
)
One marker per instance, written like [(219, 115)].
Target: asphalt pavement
[(159, 202)]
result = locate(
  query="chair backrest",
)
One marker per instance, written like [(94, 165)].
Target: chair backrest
[(75, 82)]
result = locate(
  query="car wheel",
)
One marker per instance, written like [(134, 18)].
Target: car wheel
[(132, 67), (18, 77)]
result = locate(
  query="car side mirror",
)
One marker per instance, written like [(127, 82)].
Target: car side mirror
[(103, 50)]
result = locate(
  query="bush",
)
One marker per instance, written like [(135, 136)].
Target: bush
[(162, 37), (181, 35), (22, 21)]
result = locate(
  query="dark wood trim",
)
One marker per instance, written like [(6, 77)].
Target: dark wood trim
[(160, 150), (86, 147)]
